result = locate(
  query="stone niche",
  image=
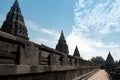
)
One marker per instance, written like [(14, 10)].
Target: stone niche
[(29, 54), (9, 52), (43, 58)]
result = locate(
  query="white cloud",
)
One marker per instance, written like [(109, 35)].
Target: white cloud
[(103, 18), (50, 32), (94, 20), (45, 41), (1, 19), (90, 47), (31, 25), (50, 35)]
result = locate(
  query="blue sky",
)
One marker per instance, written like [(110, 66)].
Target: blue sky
[(93, 25)]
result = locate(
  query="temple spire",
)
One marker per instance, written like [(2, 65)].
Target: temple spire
[(62, 36), (62, 46), (16, 4), (76, 52), (14, 23), (110, 61)]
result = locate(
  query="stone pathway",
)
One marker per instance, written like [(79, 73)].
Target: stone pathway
[(100, 75)]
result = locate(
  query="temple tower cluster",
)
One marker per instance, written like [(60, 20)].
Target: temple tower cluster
[(39, 62), (63, 47), (15, 25)]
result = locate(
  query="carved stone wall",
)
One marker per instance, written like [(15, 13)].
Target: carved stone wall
[(24, 58), (15, 50), (9, 50), (49, 73), (29, 54)]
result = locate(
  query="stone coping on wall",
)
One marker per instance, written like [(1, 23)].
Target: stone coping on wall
[(11, 37), (7, 35), (11, 69)]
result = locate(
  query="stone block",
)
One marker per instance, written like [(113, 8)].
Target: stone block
[(29, 55), (7, 69), (22, 69)]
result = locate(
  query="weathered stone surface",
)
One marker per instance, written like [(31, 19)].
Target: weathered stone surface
[(64, 60), (8, 69), (48, 72), (29, 54), (8, 51), (52, 59), (7, 35), (22, 69)]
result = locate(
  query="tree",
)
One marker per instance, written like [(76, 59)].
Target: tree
[(98, 60)]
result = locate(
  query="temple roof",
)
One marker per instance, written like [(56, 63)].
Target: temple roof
[(62, 36), (109, 59), (14, 23), (76, 52), (62, 45)]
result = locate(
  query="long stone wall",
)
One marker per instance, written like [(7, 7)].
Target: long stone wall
[(25, 72), (15, 50), (21, 57), (114, 73)]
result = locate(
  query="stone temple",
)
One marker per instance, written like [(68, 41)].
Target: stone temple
[(110, 64), (14, 23), (21, 59), (62, 46), (14, 28)]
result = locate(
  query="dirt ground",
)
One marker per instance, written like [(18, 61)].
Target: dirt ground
[(100, 75)]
